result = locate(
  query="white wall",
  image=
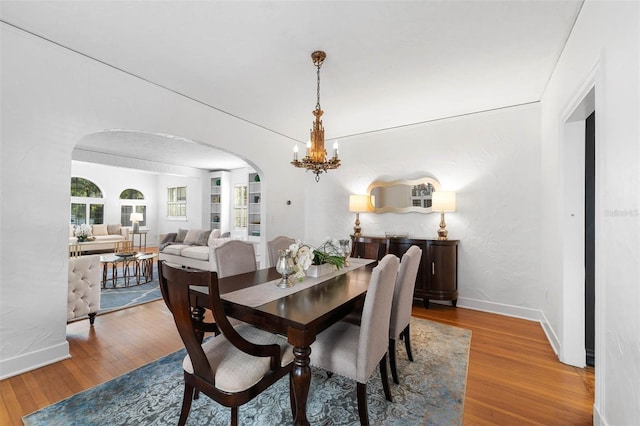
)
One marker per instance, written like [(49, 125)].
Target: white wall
[(51, 99), (492, 161), (604, 51)]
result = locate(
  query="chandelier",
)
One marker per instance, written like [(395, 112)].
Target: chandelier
[(316, 156)]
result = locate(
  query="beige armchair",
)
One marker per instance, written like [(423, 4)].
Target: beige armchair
[(83, 297)]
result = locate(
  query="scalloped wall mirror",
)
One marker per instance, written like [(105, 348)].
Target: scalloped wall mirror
[(402, 196)]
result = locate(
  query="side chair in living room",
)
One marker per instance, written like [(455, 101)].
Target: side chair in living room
[(278, 243), (354, 351), (232, 367), (235, 257)]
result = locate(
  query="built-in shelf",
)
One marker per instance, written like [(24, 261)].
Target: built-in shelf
[(255, 198)]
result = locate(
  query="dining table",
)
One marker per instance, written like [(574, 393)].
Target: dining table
[(299, 312)]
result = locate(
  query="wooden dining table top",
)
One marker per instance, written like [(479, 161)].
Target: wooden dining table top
[(317, 306)]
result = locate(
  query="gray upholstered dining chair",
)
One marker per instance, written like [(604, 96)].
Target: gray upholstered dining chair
[(401, 305), (236, 364), (278, 243), (353, 351), (235, 257)]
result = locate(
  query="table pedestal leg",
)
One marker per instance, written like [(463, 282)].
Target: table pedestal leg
[(301, 383)]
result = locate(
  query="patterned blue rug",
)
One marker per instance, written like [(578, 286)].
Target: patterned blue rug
[(431, 392), (120, 297)]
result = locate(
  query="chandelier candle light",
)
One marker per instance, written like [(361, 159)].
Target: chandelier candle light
[(315, 158)]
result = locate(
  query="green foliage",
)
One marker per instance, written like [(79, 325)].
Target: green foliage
[(320, 257)]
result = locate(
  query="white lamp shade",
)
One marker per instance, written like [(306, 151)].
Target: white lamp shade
[(136, 217), (443, 201), (358, 203)]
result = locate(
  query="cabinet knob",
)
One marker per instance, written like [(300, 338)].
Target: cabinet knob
[(433, 268)]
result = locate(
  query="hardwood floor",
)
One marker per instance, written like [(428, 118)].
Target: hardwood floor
[(513, 377)]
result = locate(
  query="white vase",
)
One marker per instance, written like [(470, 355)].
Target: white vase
[(318, 270)]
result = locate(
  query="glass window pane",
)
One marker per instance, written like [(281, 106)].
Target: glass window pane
[(96, 214), (81, 187), (78, 213)]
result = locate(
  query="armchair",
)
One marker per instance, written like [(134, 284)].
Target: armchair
[(83, 297)]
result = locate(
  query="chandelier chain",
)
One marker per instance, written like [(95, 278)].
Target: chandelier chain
[(318, 65)]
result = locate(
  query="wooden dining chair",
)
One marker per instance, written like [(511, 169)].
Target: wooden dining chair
[(401, 305), (232, 367), (278, 243), (235, 257), (370, 247), (353, 351)]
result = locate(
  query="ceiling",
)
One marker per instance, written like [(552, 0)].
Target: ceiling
[(389, 63)]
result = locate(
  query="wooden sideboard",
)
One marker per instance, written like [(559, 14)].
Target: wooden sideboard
[(437, 277)]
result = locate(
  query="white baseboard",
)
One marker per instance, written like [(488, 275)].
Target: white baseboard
[(32, 360), (598, 420), (500, 308)]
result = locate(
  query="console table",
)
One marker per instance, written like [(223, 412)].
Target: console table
[(437, 277)]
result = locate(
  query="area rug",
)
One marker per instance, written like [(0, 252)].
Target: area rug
[(431, 392), (121, 297)]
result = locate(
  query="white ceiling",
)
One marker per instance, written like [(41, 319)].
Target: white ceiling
[(389, 63)]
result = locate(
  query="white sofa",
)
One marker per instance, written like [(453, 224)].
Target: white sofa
[(83, 296), (104, 237), (195, 251)]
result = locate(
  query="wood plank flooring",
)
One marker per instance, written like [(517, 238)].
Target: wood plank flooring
[(513, 377)]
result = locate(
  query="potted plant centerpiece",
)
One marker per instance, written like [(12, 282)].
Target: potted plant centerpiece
[(328, 257)]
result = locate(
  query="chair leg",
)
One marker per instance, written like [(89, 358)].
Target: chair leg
[(392, 360), (363, 412), (407, 342), (385, 378), (92, 318), (186, 404), (234, 416)]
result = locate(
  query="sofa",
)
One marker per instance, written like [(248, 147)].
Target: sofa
[(83, 296), (103, 237), (191, 248)]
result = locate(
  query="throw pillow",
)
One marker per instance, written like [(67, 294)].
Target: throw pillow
[(203, 238), (181, 234), (192, 236), (113, 229), (98, 230)]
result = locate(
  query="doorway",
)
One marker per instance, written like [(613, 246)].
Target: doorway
[(589, 237)]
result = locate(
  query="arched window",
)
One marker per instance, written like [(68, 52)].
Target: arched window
[(132, 200), (87, 202)]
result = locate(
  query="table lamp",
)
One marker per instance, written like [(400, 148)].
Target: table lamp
[(357, 204), (135, 218), (443, 201)]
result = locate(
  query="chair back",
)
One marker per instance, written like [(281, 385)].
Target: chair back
[(235, 257), (374, 327), (125, 246), (370, 247), (174, 286), (403, 292), (278, 243)]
